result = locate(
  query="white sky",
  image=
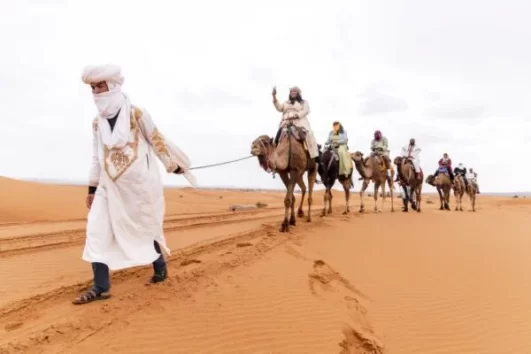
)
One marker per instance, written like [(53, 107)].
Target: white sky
[(455, 75)]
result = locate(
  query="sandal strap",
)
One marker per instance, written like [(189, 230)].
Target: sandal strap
[(89, 295)]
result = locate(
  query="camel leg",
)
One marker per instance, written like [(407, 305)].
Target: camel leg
[(312, 176), (441, 198), (287, 201), (391, 190), (418, 192), (292, 218), (325, 200), (362, 191), (383, 196), (330, 197), (447, 199), (302, 186), (376, 189), (346, 188)]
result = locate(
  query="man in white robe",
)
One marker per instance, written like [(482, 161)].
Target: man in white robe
[(125, 198), (412, 152)]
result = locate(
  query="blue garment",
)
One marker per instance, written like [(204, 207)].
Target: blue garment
[(343, 138)]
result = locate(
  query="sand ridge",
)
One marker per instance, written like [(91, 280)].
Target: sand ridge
[(435, 282)]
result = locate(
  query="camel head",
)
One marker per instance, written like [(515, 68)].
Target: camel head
[(261, 148), (398, 160), (357, 156), (261, 145)]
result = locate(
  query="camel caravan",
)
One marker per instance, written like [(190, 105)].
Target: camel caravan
[(294, 152)]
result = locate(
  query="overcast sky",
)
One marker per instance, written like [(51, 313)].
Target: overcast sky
[(456, 75)]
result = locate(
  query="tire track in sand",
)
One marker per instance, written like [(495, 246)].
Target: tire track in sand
[(45, 271), (27, 241)]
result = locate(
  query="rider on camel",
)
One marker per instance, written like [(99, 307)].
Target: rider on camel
[(338, 140), (411, 152), (461, 170), (380, 146), (295, 110), (446, 161), (473, 178)]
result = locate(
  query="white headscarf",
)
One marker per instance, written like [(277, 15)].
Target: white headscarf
[(110, 102)]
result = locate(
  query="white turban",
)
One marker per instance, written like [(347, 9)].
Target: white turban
[(296, 89), (110, 73), (110, 102)]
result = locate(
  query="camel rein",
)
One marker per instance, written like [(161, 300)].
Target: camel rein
[(221, 163)]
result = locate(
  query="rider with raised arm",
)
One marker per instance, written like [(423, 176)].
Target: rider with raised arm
[(296, 110)]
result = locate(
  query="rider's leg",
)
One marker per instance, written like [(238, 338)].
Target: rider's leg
[(451, 173), (387, 163), (277, 137), (417, 167)]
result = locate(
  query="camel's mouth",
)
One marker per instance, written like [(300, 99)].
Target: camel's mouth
[(255, 151)]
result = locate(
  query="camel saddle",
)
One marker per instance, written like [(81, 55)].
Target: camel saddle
[(379, 160), (297, 132), (408, 161), (443, 169)]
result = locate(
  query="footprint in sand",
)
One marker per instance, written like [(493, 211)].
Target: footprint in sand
[(189, 261), (325, 276), (359, 335)]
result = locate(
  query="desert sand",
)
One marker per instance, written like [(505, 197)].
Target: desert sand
[(435, 282)]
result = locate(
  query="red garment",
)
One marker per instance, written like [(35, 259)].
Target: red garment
[(447, 163)]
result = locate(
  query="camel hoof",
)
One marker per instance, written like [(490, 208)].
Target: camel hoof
[(362, 210), (323, 214), (309, 219), (405, 210), (284, 228), (418, 210), (392, 210), (300, 213), (292, 221), (441, 208), (345, 212)]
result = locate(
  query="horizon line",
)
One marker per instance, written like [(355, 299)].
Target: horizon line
[(81, 183)]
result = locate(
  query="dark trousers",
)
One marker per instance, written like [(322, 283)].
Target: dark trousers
[(102, 281)]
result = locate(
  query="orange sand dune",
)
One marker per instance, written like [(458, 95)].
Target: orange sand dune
[(435, 282)]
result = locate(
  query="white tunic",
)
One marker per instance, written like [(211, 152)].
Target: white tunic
[(302, 110), (128, 209)]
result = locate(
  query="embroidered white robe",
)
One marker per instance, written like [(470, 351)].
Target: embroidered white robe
[(128, 209)]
